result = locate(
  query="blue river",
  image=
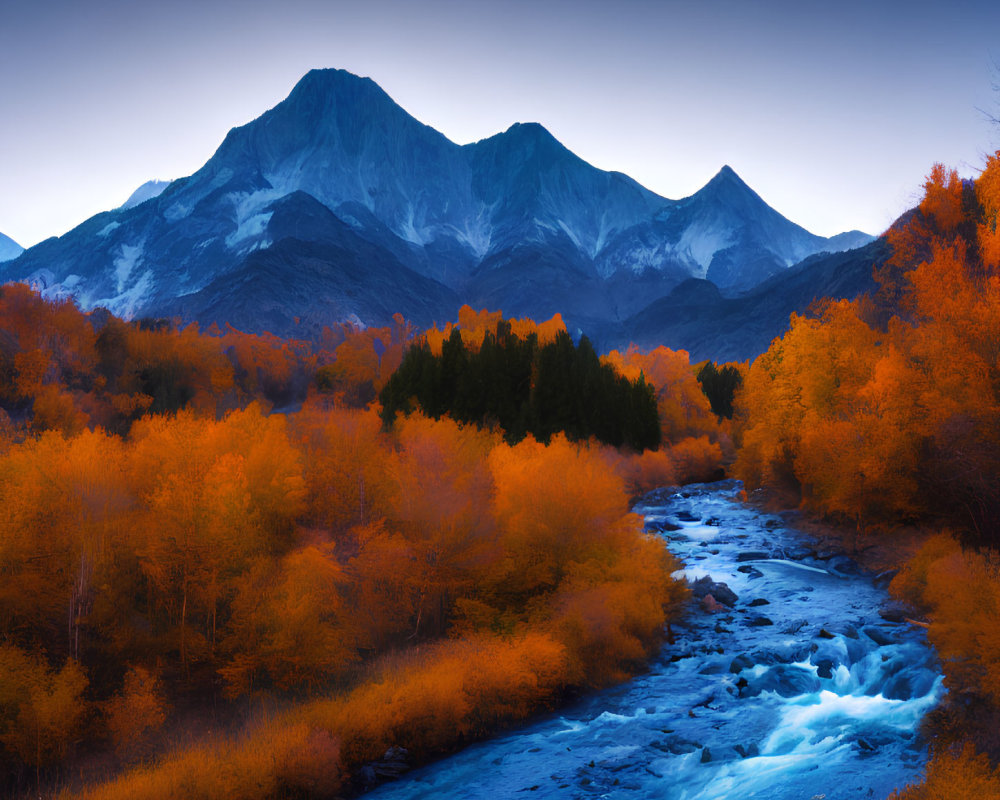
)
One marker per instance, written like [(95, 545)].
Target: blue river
[(793, 682)]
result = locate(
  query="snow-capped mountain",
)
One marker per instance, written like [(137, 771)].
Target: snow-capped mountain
[(724, 233), (147, 191), (336, 202), (9, 249)]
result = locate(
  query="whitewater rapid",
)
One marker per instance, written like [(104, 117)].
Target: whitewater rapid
[(801, 690)]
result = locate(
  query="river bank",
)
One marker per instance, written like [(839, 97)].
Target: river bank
[(785, 681)]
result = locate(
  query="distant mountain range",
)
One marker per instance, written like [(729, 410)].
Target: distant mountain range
[(147, 191), (9, 248), (336, 204), (696, 317)]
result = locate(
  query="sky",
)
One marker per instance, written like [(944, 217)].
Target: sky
[(832, 111)]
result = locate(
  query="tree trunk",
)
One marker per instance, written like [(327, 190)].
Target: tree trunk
[(184, 605)]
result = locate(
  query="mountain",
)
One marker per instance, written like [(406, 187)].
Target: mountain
[(9, 249), (724, 232), (147, 191), (311, 245), (338, 204), (696, 317)]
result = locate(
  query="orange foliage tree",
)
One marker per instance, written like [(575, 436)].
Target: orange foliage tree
[(888, 414), (41, 709), (683, 407), (165, 537)]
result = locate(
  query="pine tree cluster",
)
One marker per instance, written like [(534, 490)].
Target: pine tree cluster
[(720, 386), (526, 388)]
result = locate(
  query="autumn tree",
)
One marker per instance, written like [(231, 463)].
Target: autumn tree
[(890, 415), (41, 709), (346, 467), (682, 406), (444, 488), (291, 629), (135, 713)]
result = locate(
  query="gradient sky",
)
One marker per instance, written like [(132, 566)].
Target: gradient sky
[(832, 111)]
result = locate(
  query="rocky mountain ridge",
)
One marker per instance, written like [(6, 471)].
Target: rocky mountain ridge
[(337, 204)]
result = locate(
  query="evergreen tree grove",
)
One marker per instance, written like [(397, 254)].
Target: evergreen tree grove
[(526, 387)]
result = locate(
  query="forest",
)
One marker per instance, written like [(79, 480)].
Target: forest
[(527, 388), (215, 546), (233, 565)]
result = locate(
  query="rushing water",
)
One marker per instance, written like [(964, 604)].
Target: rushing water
[(799, 691)]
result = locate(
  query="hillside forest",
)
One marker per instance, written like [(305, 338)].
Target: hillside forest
[(179, 558), (234, 565), (884, 412)]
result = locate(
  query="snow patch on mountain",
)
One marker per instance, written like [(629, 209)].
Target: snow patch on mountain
[(477, 232), (572, 235), (248, 228), (64, 290), (249, 214), (147, 191), (178, 211), (640, 255), (699, 243), (44, 282), (410, 232), (479, 245), (604, 232), (126, 304), (128, 258)]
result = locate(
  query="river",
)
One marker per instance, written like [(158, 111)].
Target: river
[(793, 688)]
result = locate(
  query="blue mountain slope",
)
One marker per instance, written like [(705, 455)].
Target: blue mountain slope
[(515, 222), (9, 249)]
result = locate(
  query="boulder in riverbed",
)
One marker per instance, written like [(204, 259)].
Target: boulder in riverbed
[(893, 613), (785, 680), (740, 663), (751, 751), (879, 636), (719, 591)]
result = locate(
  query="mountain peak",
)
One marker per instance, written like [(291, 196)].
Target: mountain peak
[(147, 191), (332, 90), (729, 188), (533, 130), (326, 81), (727, 177), (330, 118), (9, 249), (516, 221), (531, 139)]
